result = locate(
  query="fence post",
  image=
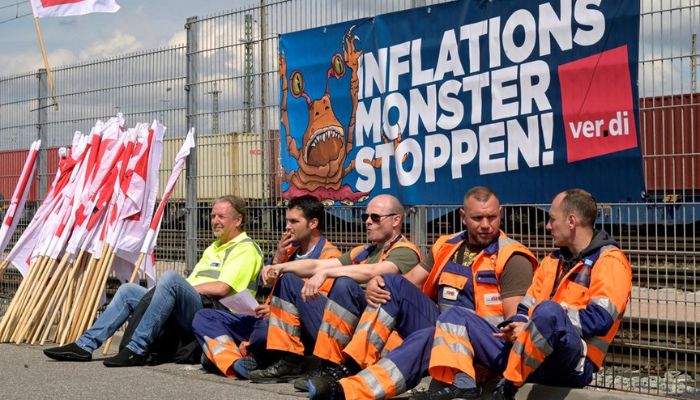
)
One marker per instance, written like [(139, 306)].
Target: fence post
[(419, 225), (42, 119), (266, 138), (191, 121)]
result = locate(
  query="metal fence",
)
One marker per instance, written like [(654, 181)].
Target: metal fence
[(223, 81)]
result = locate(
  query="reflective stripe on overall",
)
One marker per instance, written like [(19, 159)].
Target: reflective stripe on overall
[(339, 322), (404, 367), (224, 336), (475, 289), (285, 330), (532, 345)]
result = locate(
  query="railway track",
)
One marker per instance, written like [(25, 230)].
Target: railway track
[(653, 277), (656, 346)]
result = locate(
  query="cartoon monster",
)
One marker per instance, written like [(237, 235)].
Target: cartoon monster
[(325, 147)]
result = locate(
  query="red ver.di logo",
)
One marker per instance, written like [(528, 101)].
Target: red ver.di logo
[(597, 105)]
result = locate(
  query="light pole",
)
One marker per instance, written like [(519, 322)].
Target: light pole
[(215, 110)]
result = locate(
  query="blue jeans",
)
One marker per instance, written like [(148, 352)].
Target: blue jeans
[(173, 296)]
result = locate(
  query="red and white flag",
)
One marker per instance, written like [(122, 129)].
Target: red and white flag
[(110, 195), (65, 8), (21, 254), (95, 199), (59, 224), (19, 196), (139, 191), (179, 164)]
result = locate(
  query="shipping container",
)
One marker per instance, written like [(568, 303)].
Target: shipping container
[(229, 163), (670, 127), (12, 163)]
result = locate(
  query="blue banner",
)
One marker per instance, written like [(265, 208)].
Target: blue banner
[(527, 97)]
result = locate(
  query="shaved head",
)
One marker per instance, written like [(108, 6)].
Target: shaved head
[(388, 218), (388, 204)]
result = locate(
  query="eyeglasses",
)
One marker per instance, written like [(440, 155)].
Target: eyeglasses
[(375, 217)]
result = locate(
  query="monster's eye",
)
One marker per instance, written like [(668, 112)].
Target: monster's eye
[(338, 65), (297, 84)]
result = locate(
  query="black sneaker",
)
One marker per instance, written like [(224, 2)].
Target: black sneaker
[(505, 390), (448, 392), (69, 352), (125, 358), (325, 388), (280, 372)]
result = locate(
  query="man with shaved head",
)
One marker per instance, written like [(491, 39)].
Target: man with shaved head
[(388, 252), (570, 314), (469, 281)]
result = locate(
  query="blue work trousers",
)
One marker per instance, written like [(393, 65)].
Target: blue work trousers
[(173, 296)]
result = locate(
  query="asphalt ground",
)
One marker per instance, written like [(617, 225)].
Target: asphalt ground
[(25, 373)]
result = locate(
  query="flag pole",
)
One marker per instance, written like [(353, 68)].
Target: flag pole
[(49, 77)]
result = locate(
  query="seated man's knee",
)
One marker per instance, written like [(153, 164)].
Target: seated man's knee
[(423, 334), (290, 281), (128, 289), (455, 314), (169, 277), (547, 310), (392, 282), (203, 317), (344, 283)]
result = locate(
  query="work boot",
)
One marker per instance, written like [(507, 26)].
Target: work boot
[(69, 352), (279, 372), (244, 366), (125, 358), (325, 388), (505, 390), (327, 368), (300, 382), (448, 392), (340, 371)]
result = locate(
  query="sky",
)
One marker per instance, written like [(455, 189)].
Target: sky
[(148, 24), (138, 25)]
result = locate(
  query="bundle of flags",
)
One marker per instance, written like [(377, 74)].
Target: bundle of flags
[(98, 215)]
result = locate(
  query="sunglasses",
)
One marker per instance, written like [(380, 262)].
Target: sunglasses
[(375, 217)]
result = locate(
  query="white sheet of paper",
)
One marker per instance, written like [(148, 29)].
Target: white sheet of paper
[(242, 303)]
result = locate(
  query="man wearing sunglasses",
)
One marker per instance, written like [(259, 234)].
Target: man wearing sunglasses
[(388, 252), (475, 277)]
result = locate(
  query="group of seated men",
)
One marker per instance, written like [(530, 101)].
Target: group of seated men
[(380, 317)]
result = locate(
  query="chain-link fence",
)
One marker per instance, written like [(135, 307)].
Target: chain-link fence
[(224, 82)]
